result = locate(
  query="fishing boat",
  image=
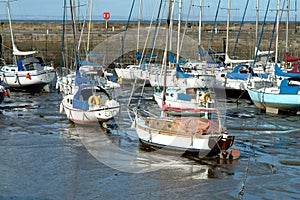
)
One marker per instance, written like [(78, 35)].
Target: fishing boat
[(285, 97), (186, 101), (28, 71), (191, 135)]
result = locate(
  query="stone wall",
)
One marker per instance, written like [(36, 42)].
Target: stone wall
[(46, 38)]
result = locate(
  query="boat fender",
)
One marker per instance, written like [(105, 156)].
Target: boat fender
[(28, 76), (206, 96), (61, 108), (120, 80), (93, 100)]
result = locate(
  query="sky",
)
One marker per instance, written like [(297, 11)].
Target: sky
[(120, 9)]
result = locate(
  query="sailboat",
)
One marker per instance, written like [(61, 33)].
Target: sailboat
[(290, 60), (244, 74), (28, 72), (286, 96), (191, 135), (186, 101), (91, 102), (89, 69)]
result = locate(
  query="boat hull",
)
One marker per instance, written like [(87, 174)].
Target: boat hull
[(283, 102), (160, 138), (183, 108), (20, 80), (95, 114), (199, 81), (132, 74)]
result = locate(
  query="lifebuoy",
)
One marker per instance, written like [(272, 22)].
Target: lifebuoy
[(206, 96), (93, 100)]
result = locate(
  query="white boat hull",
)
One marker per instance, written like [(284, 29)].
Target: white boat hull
[(201, 81), (132, 74), (161, 138), (20, 80), (94, 114)]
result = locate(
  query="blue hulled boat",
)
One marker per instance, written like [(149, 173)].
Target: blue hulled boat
[(285, 97)]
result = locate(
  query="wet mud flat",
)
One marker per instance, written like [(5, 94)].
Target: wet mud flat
[(44, 156)]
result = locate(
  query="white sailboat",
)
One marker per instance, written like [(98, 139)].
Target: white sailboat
[(242, 73), (90, 102), (142, 69), (186, 101), (186, 134), (88, 69), (182, 73), (28, 72)]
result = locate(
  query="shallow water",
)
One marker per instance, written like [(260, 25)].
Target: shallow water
[(44, 156)]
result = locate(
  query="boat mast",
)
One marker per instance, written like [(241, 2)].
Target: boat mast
[(89, 29), (74, 35), (200, 29), (227, 29), (139, 26), (62, 56), (11, 32), (256, 21), (178, 32), (171, 27), (295, 16), (166, 55), (277, 29), (287, 27)]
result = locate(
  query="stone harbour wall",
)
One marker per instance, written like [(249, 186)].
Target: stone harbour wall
[(46, 37)]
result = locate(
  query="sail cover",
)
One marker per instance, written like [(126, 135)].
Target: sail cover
[(289, 58)]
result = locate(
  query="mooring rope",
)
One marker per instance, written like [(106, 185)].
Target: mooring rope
[(242, 190)]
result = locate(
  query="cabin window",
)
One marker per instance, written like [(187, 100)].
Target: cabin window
[(169, 126), (70, 101)]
